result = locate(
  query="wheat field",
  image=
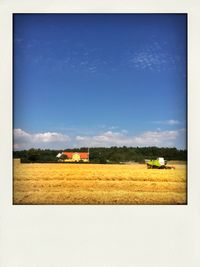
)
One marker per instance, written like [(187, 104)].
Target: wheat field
[(98, 184)]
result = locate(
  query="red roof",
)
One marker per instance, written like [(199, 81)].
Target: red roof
[(83, 155)]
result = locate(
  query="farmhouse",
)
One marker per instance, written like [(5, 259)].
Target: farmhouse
[(73, 156)]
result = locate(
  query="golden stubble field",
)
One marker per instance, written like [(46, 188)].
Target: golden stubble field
[(97, 184)]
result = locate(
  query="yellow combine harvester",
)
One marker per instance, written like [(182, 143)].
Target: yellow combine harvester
[(158, 163)]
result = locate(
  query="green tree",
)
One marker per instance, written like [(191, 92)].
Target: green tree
[(33, 155)]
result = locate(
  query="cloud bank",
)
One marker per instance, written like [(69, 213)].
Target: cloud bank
[(25, 140), (54, 140)]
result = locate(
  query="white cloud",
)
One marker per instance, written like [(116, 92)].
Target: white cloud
[(168, 122), (50, 137), (172, 122), (157, 138), (154, 57), (25, 140), (19, 133)]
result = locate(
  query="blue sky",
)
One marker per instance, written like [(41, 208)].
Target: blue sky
[(99, 80)]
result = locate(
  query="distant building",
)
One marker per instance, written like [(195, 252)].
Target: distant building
[(73, 156)]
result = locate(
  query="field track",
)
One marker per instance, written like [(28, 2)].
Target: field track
[(97, 184)]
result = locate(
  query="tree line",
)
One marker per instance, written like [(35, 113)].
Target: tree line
[(104, 155)]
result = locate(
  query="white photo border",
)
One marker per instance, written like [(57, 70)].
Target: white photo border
[(54, 235)]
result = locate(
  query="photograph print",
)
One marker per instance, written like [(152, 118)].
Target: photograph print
[(100, 109)]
